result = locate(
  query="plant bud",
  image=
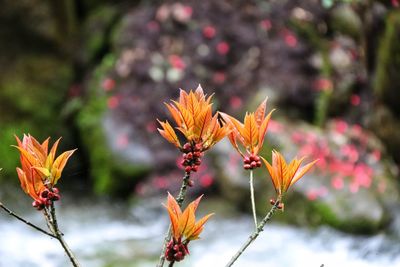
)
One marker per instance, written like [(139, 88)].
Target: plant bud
[(257, 158), (195, 168), (198, 147), (246, 160), (258, 163), (186, 147), (272, 201), (247, 166), (45, 193), (197, 154), (189, 155), (252, 158), (188, 169), (253, 164)]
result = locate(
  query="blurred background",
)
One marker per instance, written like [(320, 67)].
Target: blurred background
[(97, 74)]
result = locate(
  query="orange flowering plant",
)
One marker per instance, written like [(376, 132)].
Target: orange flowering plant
[(185, 228), (39, 173), (284, 175), (196, 130), (40, 169), (250, 134), (201, 130)]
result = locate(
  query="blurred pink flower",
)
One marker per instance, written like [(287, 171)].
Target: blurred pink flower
[(223, 48), (209, 32)]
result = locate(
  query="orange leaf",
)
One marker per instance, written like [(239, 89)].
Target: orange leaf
[(260, 112), (169, 133)]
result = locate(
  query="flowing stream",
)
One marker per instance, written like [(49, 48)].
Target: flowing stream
[(103, 234)]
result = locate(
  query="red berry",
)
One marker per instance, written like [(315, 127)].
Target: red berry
[(272, 201), (247, 166), (45, 193), (253, 164), (189, 155), (256, 158), (252, 157), (246, 160), (198, 147), (186, 147), (195, 168), (197, 154), (55, 190), (188, 169), (258, 163)]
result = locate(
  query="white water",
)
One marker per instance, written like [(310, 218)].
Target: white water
[(101, 236)]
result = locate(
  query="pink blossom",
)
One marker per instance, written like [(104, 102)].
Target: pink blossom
[(323, 84), (355, 100), (275, 126), (206, 180), (153, 26), (363, 175), (113, 102), (209, 32), (160, 182), (235, 102), (350, 151), (341, 126), (177, 62), (337, 182), (122, 140), (219, 77), (223, 48), (108, 84), (290, 38), (151, 127), (266, 24)]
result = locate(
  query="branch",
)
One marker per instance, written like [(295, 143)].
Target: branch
[(10, 212), (179, 200), (59, 236), (253, 237), (253, 203)]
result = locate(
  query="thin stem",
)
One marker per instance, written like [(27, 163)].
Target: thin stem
[(171, 264), (253, 237), (179, 200), (60, 238), (10, 212), (253, 203)]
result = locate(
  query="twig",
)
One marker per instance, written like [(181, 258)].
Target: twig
[(59, 236), (10, 212), (253, 203), (253, 237), (179, 200), (171, 264)]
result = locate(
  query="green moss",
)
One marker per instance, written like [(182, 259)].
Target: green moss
[(387, 80), (109, 174), (310, 33)]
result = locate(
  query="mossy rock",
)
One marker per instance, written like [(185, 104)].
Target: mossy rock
[(110, 171)]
